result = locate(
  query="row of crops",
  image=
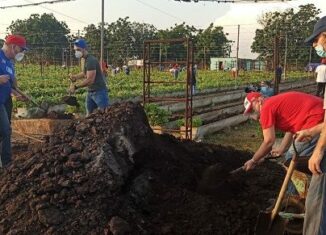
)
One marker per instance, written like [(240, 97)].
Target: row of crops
[(53, 84)]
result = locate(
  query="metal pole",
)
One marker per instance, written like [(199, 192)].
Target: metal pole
[(285, 54), (160, 56), (238, 50), (102, 32), (204, 58), (276, 63)]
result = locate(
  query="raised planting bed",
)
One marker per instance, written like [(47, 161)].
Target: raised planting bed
[(43, 126)]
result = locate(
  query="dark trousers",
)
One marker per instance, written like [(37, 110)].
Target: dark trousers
[(320, 89), (5, 132)]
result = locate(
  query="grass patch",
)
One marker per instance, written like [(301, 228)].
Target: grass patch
[(247, 136)]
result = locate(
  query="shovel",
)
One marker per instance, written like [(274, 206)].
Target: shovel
[(30, 99), (70, 99), (270, 222), (268, 157)]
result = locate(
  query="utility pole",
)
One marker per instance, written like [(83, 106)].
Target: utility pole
[(285, 55), (204, 58), (276, 63), (70, 54), (238, 50), (160, 56), (310, 55), (102, 33)]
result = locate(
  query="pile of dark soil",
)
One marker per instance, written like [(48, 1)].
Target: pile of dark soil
[(109, 174)]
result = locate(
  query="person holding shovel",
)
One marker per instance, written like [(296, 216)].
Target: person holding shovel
[(93, 80), (288, 112), (315, 206), (13, 49)]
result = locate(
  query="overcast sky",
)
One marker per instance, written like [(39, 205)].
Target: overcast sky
[(161, 13)]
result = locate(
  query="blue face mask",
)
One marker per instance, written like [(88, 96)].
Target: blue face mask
[(320, 51)]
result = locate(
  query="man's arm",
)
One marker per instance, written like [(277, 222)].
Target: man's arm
[(19, 94), (318, 154), (90, 79), (75, 77), (308, 134), (265, 148), (285, 144)]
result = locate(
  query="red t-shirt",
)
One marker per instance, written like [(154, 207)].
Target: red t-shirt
[(292, 111)]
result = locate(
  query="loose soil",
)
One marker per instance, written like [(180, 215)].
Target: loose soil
[(109, 174)]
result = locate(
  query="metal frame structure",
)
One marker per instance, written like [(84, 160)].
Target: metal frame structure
[(147, 82)]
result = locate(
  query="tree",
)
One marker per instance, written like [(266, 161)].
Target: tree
[(123, 40), (290, 25), (45, 36), (211, 42)]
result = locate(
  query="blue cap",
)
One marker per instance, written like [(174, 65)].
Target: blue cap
[(320, 27), (80, 43)]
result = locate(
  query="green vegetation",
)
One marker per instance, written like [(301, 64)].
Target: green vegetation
[(196, 122), (156, 116), (53, 85)]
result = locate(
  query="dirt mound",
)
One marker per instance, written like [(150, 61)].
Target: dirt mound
[(110, 174)]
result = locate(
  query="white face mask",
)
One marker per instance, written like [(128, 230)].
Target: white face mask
[(19, 56), (78, 54)]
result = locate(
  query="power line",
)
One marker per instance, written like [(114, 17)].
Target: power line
[(59, 13), (158, 9), (35, 4)]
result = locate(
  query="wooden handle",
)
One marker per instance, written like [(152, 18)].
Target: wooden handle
[(283, 189)]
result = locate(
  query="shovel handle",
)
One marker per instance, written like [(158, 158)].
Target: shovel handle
[(237, 170), (285, 183)]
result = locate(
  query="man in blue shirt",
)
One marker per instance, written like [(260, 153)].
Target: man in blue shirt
[(13, 48)]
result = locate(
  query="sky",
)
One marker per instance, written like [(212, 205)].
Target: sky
[(161, 13)]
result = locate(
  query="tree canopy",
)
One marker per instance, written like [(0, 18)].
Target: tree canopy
[(288, 25), (46, 36)]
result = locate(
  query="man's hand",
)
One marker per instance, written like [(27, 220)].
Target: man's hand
[(4, 79), (22, 98), (314, 162), (19, 95), (303, 136), (249, 165), (72, 77), (276, 152)]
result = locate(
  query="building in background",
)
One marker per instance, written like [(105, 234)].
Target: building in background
[(226, 64)]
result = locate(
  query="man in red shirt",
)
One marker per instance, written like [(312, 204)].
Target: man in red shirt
[(289, 112)]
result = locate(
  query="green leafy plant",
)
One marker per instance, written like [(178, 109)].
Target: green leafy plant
[(156, 116), (196, 122)]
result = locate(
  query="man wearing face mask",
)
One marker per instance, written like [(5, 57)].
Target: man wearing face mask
[(97, 95), (288, 112), (13, 48), (315, 206)]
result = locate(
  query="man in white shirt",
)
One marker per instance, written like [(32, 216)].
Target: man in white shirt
[(321, 78)]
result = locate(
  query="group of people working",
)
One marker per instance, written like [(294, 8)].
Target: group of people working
[(90, 78), (300, 116), (294, 113)]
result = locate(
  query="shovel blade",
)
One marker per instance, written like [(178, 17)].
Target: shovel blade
[(265, 225), (70, 100)]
